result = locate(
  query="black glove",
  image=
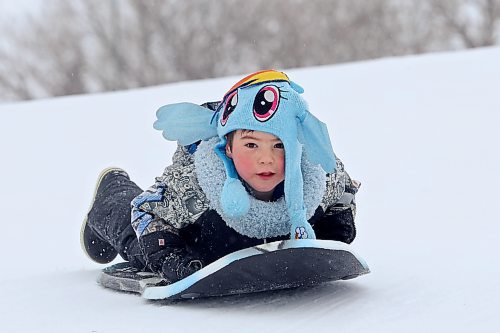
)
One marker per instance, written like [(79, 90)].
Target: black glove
[(176, 267), (336, 225)]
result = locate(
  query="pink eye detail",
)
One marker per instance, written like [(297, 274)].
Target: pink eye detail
[(232, 101), (266, 103)]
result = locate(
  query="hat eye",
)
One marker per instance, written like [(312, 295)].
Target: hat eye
[(266, 103), (232, 101)]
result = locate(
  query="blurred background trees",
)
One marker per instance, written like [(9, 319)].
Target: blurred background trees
[(85, 46)]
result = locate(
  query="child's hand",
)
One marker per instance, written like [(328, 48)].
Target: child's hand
[(177, 268)]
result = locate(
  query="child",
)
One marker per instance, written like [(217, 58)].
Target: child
[(254, 168)]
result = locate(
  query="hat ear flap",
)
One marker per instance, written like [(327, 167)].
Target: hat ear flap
[(301, 229), (185, 123), (296, 87), (313, 134), (234, 197)]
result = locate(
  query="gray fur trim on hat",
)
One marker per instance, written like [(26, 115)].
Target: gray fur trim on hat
[(264, 219)]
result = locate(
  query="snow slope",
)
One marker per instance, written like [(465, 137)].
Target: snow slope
[(421, 133)]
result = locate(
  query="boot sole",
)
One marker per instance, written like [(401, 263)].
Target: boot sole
[(107, 253)]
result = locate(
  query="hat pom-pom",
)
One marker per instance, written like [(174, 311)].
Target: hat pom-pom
[(234, 199)]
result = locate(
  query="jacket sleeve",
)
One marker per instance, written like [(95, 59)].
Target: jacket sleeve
[(163, 249), (158, 216), (334, 218)]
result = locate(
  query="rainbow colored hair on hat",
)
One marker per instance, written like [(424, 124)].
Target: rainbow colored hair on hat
[(265, 101)]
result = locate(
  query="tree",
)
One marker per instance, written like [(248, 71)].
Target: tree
[(474, 23), (92, 45)]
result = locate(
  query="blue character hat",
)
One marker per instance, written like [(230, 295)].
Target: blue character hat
[(265, 101)]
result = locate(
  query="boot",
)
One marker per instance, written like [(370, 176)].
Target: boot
[(106, 230)]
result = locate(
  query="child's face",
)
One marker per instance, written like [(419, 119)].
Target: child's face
[(259, 159)]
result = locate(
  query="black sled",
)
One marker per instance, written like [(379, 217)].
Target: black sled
[(267, 267)]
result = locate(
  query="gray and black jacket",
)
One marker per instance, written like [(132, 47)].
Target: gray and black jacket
[(180, 215)]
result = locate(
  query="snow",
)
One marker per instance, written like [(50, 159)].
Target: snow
[(419, 132)]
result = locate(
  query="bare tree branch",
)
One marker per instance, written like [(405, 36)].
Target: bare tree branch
[(92, 45)]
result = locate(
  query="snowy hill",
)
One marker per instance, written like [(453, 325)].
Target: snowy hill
[(420, 133)]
